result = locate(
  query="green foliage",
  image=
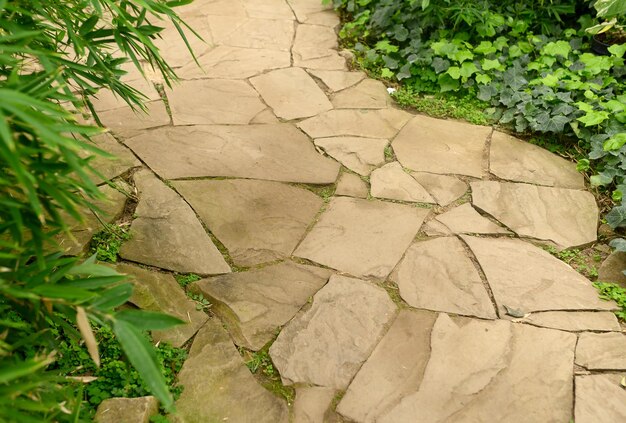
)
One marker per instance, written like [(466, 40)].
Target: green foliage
[(184, 280), (260, 364), (582, 261), (106, 243), (611, 291), (202, 304)]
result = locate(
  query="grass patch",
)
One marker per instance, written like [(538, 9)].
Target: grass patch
[(106, 243), (612, 291), (584, 261), (185, 279), (260, 364)]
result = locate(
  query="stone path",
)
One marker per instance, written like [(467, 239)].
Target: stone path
[(392, 261)]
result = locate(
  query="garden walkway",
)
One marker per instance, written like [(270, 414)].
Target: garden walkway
[(398, 254)]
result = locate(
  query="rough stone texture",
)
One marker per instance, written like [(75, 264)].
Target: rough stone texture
[(126, 123), (444, 188), (273, 152), (167, 234), (272, 34), (326, 345), (266, 116), (392, 182), (291, 93), (219, 387), (435, 228), (265, 220), (315, 47), (311, 11), (213, 101), (173, 48), (364, 238), (433, 145), (109, 168), (106, 100), (474, 366), (600, 398), (269, 9), (526, 278), (337, 80), (394, 369), (127, 410), (154, 291), (464, 219), (576, 321), (516, 160), (612, 269), (601, 351), (566, 217), (383, 123), (368, 94), (254, 304), (437, 275), (235, 63), (351, 185), (360, 155), (311, 404)]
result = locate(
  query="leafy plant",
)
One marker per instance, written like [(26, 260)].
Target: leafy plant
[(611, 291), (184, 280), (202, 304), (106, 243)]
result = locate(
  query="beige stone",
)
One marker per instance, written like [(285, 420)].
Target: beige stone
[(173, 48), (435, 228), (516, 160), (256, 303), (213, 8), (269, 9), (109, 167), (235, 63), (383, 123), (265, 220), (612, 269), (315, 47), (327, 344), (265, 116), (444, 188), (566, 217), (291, 93), (314, 12), (218, 386), (464, 220), (272, 34), (575, 321), (337, 80), (351, 185), (392, 182), (437, 275), (127, 410), (600, 398), (601, 351), (214, 101), (440, 146), (526, 278), (126, 122), (363, 238), (167, 234), (154, 291), (107, 100), (368, 94), (272, 152), (360, 155), (474, 367), (394, 369), (311, 404)]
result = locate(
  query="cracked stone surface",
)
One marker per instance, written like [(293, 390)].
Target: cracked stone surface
[(173, 48), (115, 410), (601, 351), (368, 94), (600, 398), (109, 168), (273, 34), (315, 47), (464, 219), (126, 122), (566, 217), (361, 155), (383, 123), (337, 80), (393, 183), (351, 185), (575, 321), (327, 344), (311, 404), (444, 188)]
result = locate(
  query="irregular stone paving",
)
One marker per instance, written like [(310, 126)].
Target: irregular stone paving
[(390, 264)]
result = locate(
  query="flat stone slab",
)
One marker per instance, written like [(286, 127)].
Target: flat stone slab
[(107, 167), (351, 185), (273, 34), (435, 228), (291, 93), (361, 155), (474, 365), (601, 351), (440, 146), (308, 11), (383, 123), (575, 321), (465, 220), (172, 46), (311, 404), (327, 344), (516, 160), (315, 47), (219, 387), (269, 9), (393, 183), (271, 152), (444, 188), (566, 217), (337, 80), (526, 278), (361, 237), (611, 270), (256, 303), (167, 234), (368, 94), (437, 275), (115, 410), (265, 220), (154, 291), (394, 369), (105, 99), (213, 101), (126, 122), (600, 398)]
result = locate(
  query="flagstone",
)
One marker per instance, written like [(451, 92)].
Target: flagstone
[(271, 152), (600, 398), (272, 34), (291, 93), (327, 344), (601, 351), (337, 80), (138, 410), (269, 9), (265, 116), (315, 47), (172, 46), (311, 404), (465, 219), (435, 228), (383, 123), (361, 237), (368, 94), (265, 220), (107, 100), (110, 167), (427, 144), (392, 182), (612, 269), (564, 216), (444, 188), (127, 123), (309, 11), (167, 234), (351, 185), (358, 154), (213, 101), (575, 321)]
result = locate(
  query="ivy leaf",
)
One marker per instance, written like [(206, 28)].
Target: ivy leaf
[(468, 69), (549, 123), (447, 83), (405, 72), (483, 78), (488, 64), (440, 65), (593, 118), (558, 48), (617, 50), (562, 109), (615, 142), (515, 77), (616, 218), (486, 92), (386, 47), (386, 73), (400, 33), (390, 62), (619, 244), (485, 47), (600, 180), (454, 72), (462, 55)]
